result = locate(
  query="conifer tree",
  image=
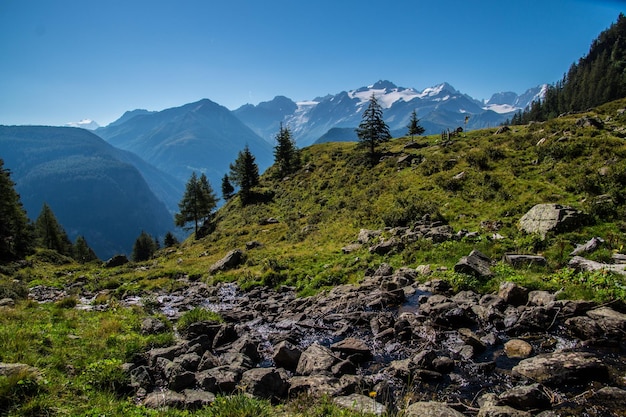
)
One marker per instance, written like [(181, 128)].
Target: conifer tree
[(170, 240), (244, 172), (197, 203), (286, 155), (414, 127), (16, 235), (144, 247), (50, 234), (227, 188), (373, 130), (81, 252)]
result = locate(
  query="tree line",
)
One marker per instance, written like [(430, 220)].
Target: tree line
[(597, 78)]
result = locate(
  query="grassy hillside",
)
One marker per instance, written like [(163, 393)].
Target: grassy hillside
[(473, 182)]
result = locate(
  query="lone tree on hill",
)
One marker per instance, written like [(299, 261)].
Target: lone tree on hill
[(50, 233), (286, 155), (373, 130), (244, 172), (414, 127), (197, 203), (15, 229), (144, 247)]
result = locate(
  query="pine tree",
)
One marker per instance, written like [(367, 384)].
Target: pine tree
[(170, 240), (50, 234), (197, 203), (373, 130), (144, 247), (16, 234), (286, 155), (244, 172), (81, 252), (227, 188), (414, 126)]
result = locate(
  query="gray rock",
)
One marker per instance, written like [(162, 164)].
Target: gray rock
[(361, 404), (490, 407), (316, 359), (140, 377), (611, 396), (591, 245), (562, 367), (526, 397), (117, 260), (267, 383), (163, 399), (513, 294), (232, 259), (195, 399), (544, 218), (355, 348), (476, 264), (581, 264), (584, 328), (152, 325), (519, 261), (286, 355), (431, 409)]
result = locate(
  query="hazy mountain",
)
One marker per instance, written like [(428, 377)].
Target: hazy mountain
[(439, 107), (201, 137), (91, 187)]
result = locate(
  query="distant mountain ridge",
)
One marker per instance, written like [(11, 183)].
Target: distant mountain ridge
[(93, 188), (439, 107)]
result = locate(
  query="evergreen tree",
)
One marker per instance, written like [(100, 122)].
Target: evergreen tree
[(144, 247), (81, 252), (16, 233), (244, 172), (286, 155), (373, 130), (50, 234), (170, 240), (227, 188), (197, 203), (414, 126)]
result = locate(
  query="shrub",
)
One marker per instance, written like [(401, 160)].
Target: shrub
[(18, 386), (195, 315), (105, 374)]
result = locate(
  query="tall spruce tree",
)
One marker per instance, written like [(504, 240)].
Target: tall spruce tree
[(244, 172), (16, 234), (197, 203), (373, 130), (50, 234), (414, 125), (227, 188), (286, 155), (144, 247), (81, 252)]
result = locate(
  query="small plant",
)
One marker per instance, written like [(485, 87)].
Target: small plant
[(241, 406), (195, 315), (105, 374), (18, 386)]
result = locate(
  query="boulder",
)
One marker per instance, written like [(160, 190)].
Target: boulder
[(544, 218), (152, 325), (232, 259), (431, 409), (354, 348), (286, 355), (526, 397), (581, 264), (163, 399), (267, 383), (361, 404), (117, 260), (316, 359), (519, 261), (476, 264), (591, 245), (517, 348), (513, 294), (562, 367), (196, 399), (490, 407)]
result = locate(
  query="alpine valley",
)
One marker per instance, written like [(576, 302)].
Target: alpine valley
[(159, 150)]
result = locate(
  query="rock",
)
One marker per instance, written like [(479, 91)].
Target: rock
[(387, 246), (584, 328), (152, 325), (517, 348), (476, 264), (581, 264), (612, 322), (317, 385), (117, 260), (519, 261), (7, 302), (612, 397), (354, 348), (164, 399), (526, 397), (316, 359), (366, 235), (544, 218), (502, 129), (286, 355), (361, 404), (513, 294), (140, 377), (232, 259), (587, 121), (269, 220), (541, 299), (562, 367), (253, 244), (196, 399), (591, 245), (351, 248), (222, 378), (267, 383), (431, 409), (10, 369), (490, 407)]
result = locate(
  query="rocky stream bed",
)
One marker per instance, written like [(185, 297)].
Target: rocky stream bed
[(391, 345)]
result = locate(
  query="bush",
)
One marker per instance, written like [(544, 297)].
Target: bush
[(17, 387), (105, 374), (195, 315)]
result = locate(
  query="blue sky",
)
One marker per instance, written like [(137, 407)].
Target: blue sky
[(67, 60)]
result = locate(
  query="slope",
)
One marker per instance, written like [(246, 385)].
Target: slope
[(92, 191)]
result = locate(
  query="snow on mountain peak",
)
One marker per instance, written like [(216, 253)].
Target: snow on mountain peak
[(84, 124)]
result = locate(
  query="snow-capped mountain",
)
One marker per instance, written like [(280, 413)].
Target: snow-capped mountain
[(84, 124), (439, 107)]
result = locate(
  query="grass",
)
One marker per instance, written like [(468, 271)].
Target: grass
[(480, 179)]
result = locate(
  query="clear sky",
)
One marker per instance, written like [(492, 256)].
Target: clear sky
[(66, 60)]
